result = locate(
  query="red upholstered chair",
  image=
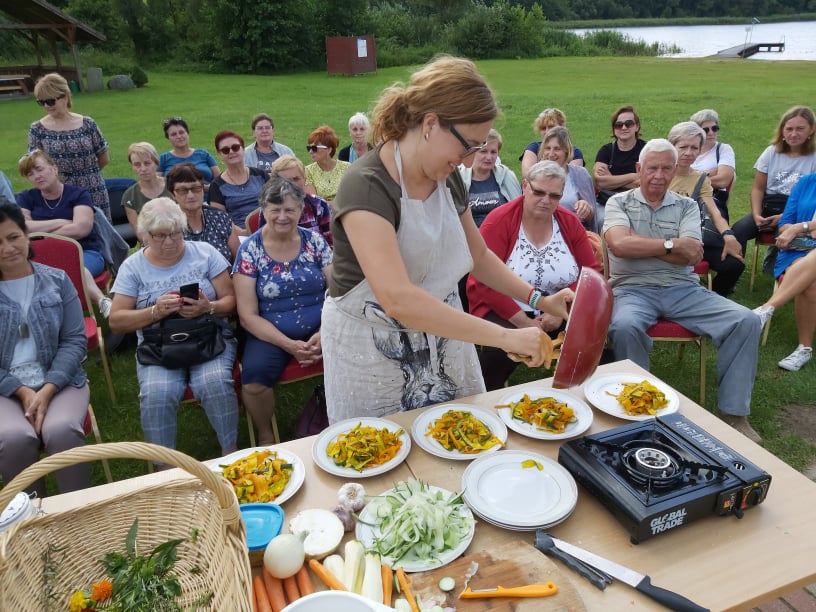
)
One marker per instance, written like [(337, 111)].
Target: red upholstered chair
[(103, 281), (703, 270), (765, 239), (253, 221), (66, 254)]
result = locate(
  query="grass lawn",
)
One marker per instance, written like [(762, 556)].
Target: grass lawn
[(750, 96)]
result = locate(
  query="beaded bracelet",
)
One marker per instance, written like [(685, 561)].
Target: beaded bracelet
[(529, 295), (535, 295)]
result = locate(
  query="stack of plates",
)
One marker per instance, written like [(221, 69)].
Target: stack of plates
[(504, 493)]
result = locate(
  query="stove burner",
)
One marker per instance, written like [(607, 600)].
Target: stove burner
[(655, 465)]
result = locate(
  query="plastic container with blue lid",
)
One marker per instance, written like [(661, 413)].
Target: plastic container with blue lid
[(262, 522)]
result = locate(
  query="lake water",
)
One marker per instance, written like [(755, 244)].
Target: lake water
[(701, 41)]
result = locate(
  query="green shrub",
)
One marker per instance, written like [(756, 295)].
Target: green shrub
[(139, 77)]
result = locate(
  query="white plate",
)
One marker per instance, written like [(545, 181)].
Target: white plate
[(427, 418), (497, 487), (598, 389), (295, 481), (367, 532), (323, 461), (583, 414)]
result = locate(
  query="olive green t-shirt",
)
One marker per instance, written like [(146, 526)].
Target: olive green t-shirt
[(368, 186)]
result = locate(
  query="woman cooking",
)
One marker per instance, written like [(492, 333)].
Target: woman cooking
[(544, 244), (280, 281), (393, 332), (44, 392), (236, 190)]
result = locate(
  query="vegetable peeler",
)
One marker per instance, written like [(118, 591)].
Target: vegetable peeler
[(531, 590)]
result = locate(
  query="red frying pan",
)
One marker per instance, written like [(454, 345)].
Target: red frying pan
[(585, 334)]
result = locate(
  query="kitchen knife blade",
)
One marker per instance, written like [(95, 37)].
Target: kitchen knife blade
[(641, 582)]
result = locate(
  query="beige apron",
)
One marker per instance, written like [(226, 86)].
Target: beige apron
[(374, 366)]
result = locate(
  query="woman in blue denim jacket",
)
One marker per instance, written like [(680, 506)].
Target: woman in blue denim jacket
[(43, 389)]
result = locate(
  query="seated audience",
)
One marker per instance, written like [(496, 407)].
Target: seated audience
[(204, 223), (654, 241), (790, 155), (489, 183), (236, 190), (541, 242), (144, 159), (795, 269), (280, 277), (546, 120), (178, 133), (147, 291), (66, 210), (358, 126), (324, 174), (262, 153), (6, 191), (614, 170), (316, 215), (716, 158), (579, 192), (44, 392), (722, 252)]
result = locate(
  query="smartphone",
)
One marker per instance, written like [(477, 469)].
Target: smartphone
[(189, 291)]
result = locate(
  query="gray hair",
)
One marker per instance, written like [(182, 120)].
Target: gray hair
[(707, 114), (686, 129), (161, 214), (359, 119), (657, 145), (544, 170), (277, 189)]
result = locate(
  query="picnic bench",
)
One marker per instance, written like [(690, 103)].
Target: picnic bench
[(13, 83)]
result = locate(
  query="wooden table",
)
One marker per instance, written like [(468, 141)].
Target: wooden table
[(722, 563)]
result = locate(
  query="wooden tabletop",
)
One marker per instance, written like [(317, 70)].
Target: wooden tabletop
[(722, 563)]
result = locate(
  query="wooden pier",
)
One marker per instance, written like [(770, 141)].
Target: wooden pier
[(747, 50)]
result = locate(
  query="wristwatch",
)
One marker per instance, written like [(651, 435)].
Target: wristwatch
[(806, 227), (669, 244)]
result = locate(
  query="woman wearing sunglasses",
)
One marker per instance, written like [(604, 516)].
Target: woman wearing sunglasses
[(716, 158), (393, 332), (72, 140), (323, 176), (614, 169), (236, 190)]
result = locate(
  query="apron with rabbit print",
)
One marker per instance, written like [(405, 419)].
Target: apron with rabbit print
[(374, 366)]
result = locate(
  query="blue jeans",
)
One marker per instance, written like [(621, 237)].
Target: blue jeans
[(733, 329)]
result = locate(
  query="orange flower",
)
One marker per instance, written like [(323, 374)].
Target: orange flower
[(102, 590)]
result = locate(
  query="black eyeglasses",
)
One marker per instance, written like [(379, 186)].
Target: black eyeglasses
[(469, 148), (50, 101), (713, 128), (314, 148), (234, 148), (624, 124)]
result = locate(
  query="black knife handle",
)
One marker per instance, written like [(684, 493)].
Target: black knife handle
[(577, 566), (670, 599)]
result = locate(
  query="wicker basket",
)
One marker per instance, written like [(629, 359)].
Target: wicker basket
[(165, 511)]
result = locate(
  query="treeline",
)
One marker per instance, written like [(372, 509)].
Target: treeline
[(287, 36)]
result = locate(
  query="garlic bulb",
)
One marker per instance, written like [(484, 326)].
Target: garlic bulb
[(352, 496), (344, 514)]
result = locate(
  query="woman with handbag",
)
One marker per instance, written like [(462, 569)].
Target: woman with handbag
[(149, 300), (716, 158), (614, 170), (280, 277), (43, 389), (720, 247), (790, 155)]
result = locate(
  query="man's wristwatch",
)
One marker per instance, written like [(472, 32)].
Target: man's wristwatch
[(669, 245)]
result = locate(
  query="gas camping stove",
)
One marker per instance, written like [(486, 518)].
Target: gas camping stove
[(659, 474)]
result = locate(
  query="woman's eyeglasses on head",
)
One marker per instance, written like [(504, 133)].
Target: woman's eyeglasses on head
[(234, 148), (50, 101), (314, 148)]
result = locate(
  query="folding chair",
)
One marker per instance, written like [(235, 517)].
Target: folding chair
[(90, 426), (764, 239), (66, 254), (253, 221)]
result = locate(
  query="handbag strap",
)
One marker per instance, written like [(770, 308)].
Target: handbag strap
[(717, 153), (696, 193)]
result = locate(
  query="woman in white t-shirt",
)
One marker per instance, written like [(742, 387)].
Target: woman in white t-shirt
[(716, 158)]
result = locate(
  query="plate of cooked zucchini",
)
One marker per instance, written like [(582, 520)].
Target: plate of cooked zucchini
[(545, 413), (631, 396), (359, 448), (459, 431), (262, 475)]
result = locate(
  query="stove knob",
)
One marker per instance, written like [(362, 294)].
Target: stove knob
[(754, 497), (738, 512)]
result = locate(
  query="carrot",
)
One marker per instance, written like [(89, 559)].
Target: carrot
[(274, 589), (260, 595), (304, 582), (290, 587), (405, 585), (331, 581), (388, 583)]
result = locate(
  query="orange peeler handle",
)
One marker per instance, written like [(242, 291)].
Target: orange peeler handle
[(531, 590)]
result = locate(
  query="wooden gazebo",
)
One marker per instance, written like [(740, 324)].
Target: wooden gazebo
[(38, 21)]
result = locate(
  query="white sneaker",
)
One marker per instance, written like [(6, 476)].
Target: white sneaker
[(105, 306), (764, 313), (798, 358)]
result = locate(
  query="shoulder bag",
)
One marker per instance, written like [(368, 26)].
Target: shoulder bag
[(721, 195), (176, 342), (710, 236), (314, 417)]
